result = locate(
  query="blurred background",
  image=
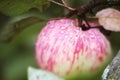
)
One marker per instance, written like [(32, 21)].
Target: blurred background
[(17, 44)]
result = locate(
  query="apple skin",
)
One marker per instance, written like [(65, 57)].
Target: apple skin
[(65, 50)]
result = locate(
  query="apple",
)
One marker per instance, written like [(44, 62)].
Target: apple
[(65, 50)]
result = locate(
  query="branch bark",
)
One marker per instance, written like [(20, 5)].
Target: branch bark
[(114, 68), (88, 7)]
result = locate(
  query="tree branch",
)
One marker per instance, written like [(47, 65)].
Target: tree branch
[(88, 7), (114, 69)]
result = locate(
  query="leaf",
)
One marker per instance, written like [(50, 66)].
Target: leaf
[(109, 18), (11, 30), (37, 74), (17, 7)]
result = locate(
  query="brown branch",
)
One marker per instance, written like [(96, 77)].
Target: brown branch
[(88, 7), (114, 68)]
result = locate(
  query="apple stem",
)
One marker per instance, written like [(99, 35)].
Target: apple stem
[(88, 25)]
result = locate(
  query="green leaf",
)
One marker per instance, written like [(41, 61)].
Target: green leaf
[(37, 74), (11, 30), (17, 7)]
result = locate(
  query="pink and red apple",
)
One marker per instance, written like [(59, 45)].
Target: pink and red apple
[(65, 50)]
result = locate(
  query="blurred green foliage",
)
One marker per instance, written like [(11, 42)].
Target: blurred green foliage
[(16, 7), (17, 55)]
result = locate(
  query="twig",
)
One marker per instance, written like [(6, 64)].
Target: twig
[(64, 2), (63, 5), (57, 3)]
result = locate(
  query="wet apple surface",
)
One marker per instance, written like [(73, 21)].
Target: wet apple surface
[(65, 50)]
